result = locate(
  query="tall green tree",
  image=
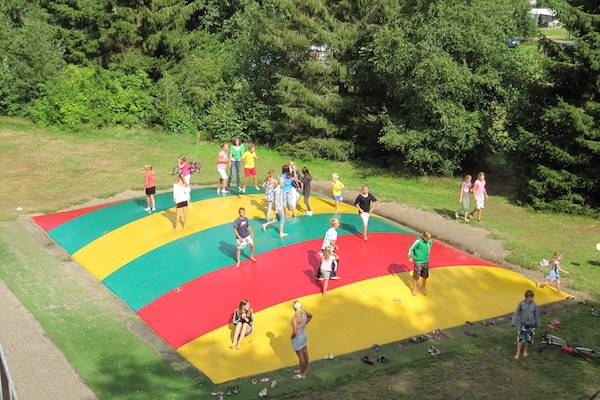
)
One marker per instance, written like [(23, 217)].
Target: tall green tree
[(557, 136)]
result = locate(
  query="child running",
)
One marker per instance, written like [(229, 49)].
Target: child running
[(328, 264), (480, 195), (365, 203), (463, 200), (250, 158), (244, 235), (279, 201), (336, 190), (419, 253), (181, 198), (526, 315), (331, 240), (150, 188), (269, 185), (306, 180), (184, 168), (554, 275), (222, 161)]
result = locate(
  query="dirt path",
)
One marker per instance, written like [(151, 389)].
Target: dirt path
[(37, 366)]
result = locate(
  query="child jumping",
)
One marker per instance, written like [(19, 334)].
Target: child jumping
[(328, 264), (279, 201), (336, 190), (480, 195), (463, 200), (526, 315), (269, 185), (222, 161), (249, 158), (150, 188), (554, 275), (419, 253)]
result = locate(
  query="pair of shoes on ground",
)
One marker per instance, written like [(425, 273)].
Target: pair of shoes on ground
[(433, 351), (380, 359)]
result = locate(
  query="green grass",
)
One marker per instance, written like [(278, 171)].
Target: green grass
[(48, 169), (556, 33)]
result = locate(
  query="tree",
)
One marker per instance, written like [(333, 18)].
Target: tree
[(557, 137)]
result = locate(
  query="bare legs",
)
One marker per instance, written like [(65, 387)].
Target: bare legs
[(550, 283), (179, 212), (525, 348), (365, 231), (150, 203), (303, 361), (239, 252), (282, 234), (413, 287), (241, 329)]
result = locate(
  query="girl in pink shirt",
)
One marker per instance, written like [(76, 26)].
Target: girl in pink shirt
[(184, 167), (222, 162), (480, 195), (150, 188)]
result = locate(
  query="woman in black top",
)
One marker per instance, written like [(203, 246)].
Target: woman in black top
[(306, 178), (242, 320), (365, 203)]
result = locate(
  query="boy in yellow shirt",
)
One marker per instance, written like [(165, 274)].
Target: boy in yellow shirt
[(336, 190), (249, 157)]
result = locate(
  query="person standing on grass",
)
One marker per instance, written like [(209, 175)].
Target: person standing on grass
[(235, 155), (181, 198), (184, 168), (244, 235), (222, 161), (243, 318), (269, 185), (480, 195), (365, 203), (419, 253), (150, 188), (300, 319), (336, 190), (306, 180), (331, 240), (328, 264), (464, 199), (249, 157), (526, 315), (279, 210), (554, 275)]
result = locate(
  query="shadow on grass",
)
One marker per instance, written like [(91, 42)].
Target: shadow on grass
[(593, 263)]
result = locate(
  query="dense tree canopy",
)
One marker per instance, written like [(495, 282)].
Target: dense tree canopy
[(427, 86)]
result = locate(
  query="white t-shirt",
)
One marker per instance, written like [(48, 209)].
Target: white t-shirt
[(330, 235), (327, 265), (181, 193)]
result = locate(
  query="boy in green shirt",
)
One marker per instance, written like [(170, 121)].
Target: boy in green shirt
[(419, 253)]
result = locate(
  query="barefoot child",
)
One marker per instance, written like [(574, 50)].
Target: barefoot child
[(365, 203), (328, 263), (181, 197), (463, 200), (279, 210), (331, 240), (526, 315), (306, 180), (419, 253), (249, 158), (150, 188), (336, 190), (244, 235), (269, 185), (554, 275), (242, 320), (222, 161), (235, 155), (480, 195)]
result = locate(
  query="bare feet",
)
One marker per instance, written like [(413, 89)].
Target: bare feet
[(253, 259), (282, 235), (365, 238), (237, 264), (525, 354), (238, 346), (231, 346), (335, 277), (325, 294), (413, 292), (516, 356), (425, 292)]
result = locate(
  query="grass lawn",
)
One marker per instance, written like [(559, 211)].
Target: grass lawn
[(49, 169), (556, 33)]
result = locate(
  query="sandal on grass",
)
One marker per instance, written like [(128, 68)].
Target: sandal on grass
[(470, 333), (254, 381), (263, 393), (235, 389), (376, 347), (366, 360), (445, 334), (382, 359), (264, 380), (273, 384), (298, 376)]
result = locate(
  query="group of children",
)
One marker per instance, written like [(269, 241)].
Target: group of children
[(234, 157), (479, 195)]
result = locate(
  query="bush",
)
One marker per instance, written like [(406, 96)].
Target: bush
[(95, 97), (312, 148), (223, 122)]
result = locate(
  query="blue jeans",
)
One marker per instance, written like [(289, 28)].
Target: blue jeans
[(235, 165)]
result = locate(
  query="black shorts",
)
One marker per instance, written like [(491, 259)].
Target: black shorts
[(150, 190), (421, 270), (181, 204)]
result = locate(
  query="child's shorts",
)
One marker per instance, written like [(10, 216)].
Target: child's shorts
[(249, 171), (222, 172), (480, 204), (325, 274), (526, 333), (421, 270), (365, 218), (241, 244), (465, 204), (181, 204), (150, 191), (338, 198)]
